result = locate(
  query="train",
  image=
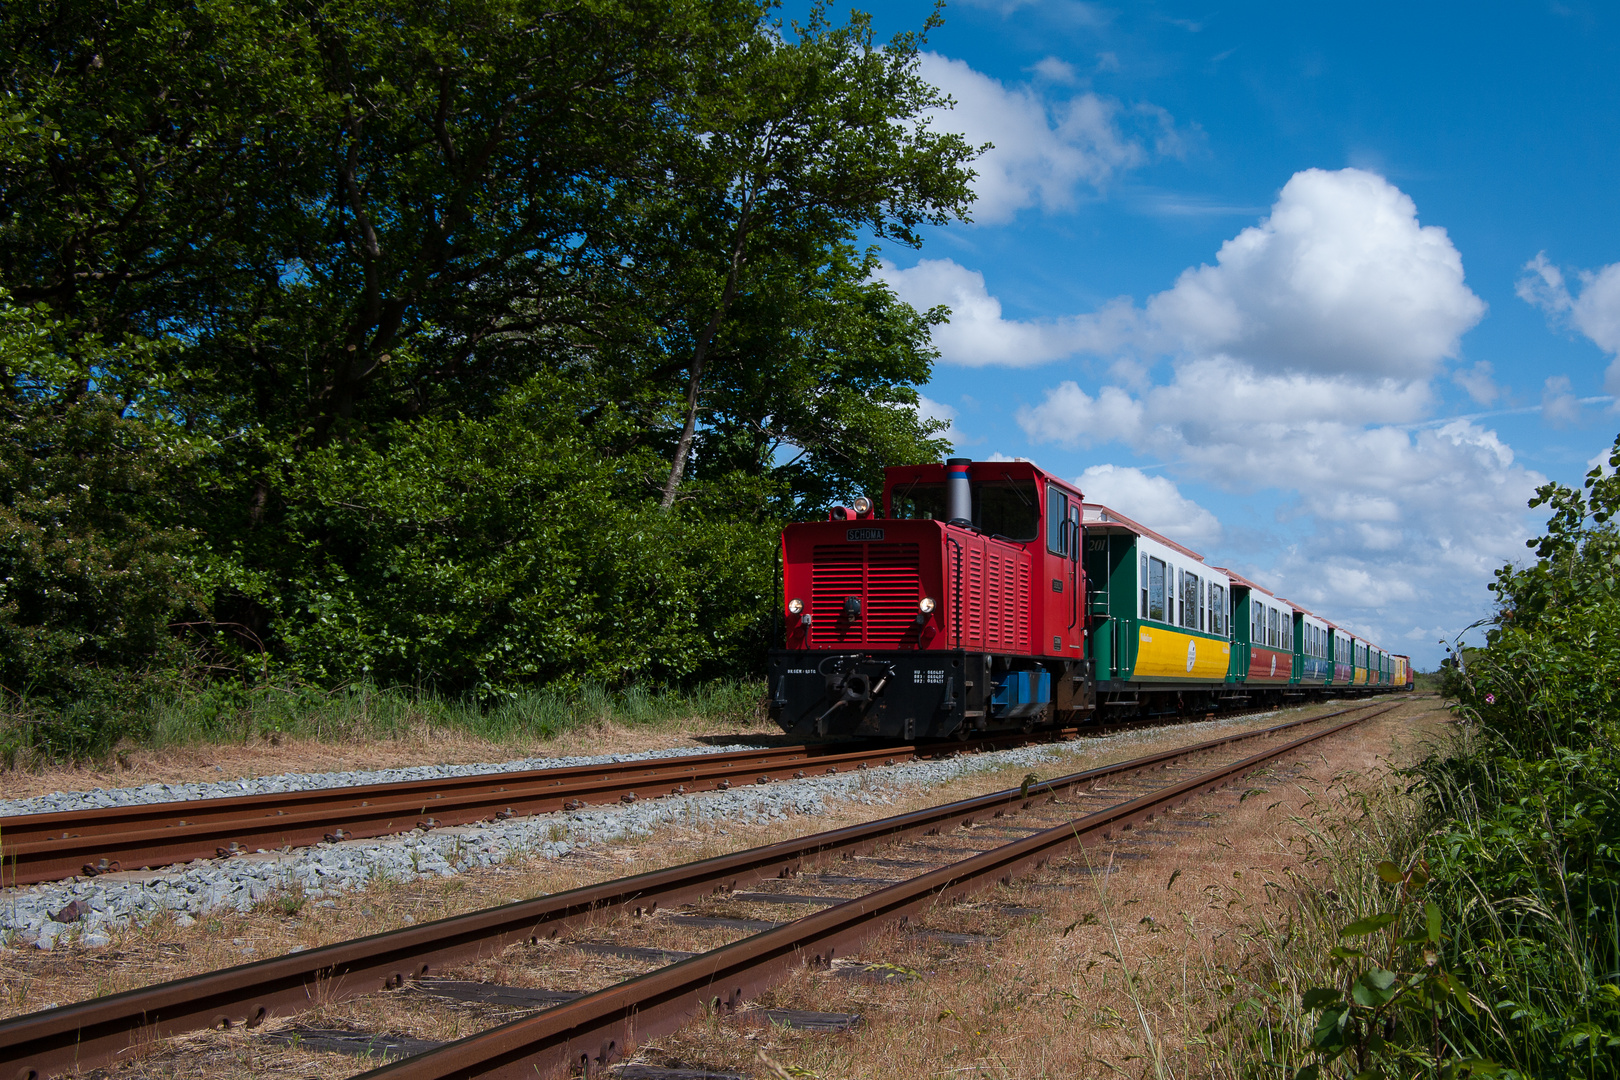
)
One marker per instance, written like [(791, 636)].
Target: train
[(990, 596)]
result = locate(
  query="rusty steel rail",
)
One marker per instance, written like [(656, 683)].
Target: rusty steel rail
[(93, 1033), (592, 1032), (49, 847)]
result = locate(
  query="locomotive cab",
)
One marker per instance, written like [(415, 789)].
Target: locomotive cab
[(955, 611)]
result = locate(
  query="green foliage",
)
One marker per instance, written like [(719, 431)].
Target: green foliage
[(1389, 1012), (95, 571), (1533, 812), (477, 556), (365, 339)]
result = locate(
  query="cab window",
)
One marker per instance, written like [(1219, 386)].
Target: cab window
[(1007, 508), (1000, 507), (1059, 535), (924, 502)]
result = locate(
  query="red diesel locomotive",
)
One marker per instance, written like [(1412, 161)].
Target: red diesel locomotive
[(965, 608)]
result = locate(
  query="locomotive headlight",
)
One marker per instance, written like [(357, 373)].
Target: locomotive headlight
[(795, 605), (925, 606), (862, 506)]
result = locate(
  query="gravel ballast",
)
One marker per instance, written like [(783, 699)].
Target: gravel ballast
[(327, 870), (270, 785)]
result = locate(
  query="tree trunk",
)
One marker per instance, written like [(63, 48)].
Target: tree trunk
[(700, 354)]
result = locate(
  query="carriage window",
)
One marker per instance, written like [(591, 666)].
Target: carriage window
[(1217, 609), (1156, 595), (1143, 581), (1189, 591), (1271, 627), (1059, 537)]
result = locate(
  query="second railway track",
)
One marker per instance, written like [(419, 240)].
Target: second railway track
[(49, 847), (36, 848), (602, 1026)]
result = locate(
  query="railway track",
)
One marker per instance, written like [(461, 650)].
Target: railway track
[(36, 848), (598, 1028), (49, 847)]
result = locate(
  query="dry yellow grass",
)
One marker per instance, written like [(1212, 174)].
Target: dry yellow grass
[(268, 756)]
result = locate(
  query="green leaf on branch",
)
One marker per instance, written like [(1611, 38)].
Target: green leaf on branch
[(1322, 995), (1374, 988)]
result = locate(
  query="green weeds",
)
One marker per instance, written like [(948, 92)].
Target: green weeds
[(234, 714)]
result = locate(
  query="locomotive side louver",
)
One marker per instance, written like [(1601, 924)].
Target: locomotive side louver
[(887, 578)]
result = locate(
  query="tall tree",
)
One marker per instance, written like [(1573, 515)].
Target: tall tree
[(290, 250), (346, 205), (812, 137)]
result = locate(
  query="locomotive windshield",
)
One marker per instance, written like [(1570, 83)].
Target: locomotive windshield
[(1000, 507)]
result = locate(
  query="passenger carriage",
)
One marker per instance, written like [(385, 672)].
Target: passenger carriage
[(1159, 637), (1311, 667)]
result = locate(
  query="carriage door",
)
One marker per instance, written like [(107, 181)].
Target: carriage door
[(1062, 587)]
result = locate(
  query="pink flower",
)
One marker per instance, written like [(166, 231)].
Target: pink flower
[(1490, 699)]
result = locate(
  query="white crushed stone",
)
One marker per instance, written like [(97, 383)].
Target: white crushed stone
[(268, 785), (328, 870)]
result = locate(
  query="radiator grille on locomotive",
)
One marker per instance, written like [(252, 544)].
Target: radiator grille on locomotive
[(886, 578)]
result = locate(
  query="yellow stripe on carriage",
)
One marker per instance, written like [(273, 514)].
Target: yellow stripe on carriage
[(1166, 654)]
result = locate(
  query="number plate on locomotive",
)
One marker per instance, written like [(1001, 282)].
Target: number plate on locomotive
[(864, 534)]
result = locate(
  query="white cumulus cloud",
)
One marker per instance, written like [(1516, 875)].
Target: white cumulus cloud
[(1340, 277), (929, 409), (1155, 501), (1594, 310), (1044, 149), (1479, 381), (1223, 406), (978, 334)]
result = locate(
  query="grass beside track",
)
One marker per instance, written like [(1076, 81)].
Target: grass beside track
[(196, 725)]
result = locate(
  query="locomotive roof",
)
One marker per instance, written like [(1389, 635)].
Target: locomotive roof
[(1109, 516)]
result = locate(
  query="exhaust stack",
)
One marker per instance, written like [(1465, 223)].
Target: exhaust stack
[(958, 494)]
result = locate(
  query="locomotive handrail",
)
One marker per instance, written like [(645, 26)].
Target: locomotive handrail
[(956, 589)]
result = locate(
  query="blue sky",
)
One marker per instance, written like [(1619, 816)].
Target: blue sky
[(1323, 291)]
